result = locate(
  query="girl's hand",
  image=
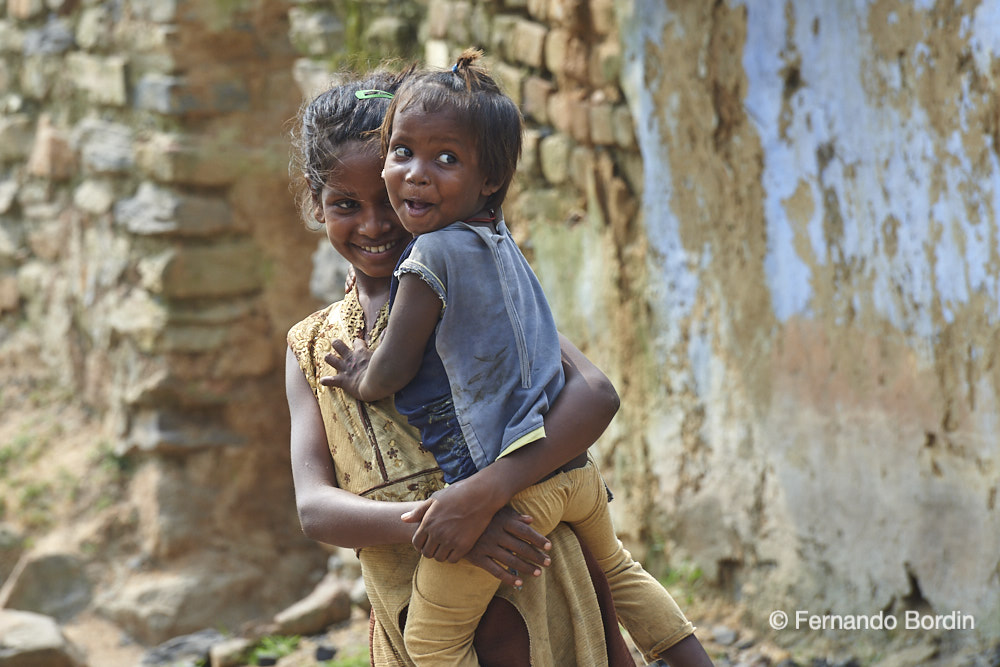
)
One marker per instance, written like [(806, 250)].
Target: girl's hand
[(510, 548), (451, 521), (351, 366)]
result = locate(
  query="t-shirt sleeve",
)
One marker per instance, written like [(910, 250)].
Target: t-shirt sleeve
[(428, 261)]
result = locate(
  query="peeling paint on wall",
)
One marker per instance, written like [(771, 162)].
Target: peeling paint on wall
[(822, 191)]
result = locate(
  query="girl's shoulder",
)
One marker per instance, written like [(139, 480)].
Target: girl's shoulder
[(303, 336)]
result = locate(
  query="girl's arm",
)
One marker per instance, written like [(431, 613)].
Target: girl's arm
[(454, 516), (370, 376), (332, 515)]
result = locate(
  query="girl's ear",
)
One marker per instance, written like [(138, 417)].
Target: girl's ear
[(318, 213)]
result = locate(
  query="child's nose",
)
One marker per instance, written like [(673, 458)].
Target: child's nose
[(416, 173)]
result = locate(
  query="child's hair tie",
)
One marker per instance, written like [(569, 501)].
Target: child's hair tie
[(454, 68), (371, 93)]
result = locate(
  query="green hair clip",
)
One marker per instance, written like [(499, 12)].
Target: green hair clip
[(372, 93)]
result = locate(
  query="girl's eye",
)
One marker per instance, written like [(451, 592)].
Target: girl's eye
[(401, 151), (344, 205), (447, 158)]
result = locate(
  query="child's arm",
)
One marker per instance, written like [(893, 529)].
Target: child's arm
[(333, 515), (454, 517), (368, 375)]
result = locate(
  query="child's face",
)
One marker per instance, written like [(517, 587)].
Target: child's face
[(432, 170), (357, 215)]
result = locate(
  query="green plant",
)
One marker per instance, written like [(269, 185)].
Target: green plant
[(360, 659), (276, 646), (110, 461)]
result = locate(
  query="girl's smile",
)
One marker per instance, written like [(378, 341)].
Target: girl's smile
[(358, 217)]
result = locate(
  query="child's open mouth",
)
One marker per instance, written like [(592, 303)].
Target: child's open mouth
[(415, 207)]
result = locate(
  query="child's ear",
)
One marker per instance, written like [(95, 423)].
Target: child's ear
[(489, 188), (318, 213)]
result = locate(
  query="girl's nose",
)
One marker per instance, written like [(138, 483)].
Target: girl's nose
[(378, 222)]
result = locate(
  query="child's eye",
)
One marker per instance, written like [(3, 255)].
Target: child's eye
[(401, 151), (447, 158)]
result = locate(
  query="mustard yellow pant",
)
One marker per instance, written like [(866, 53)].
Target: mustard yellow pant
[(448, 599)]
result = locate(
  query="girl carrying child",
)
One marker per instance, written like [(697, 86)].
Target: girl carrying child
[(472, 354)]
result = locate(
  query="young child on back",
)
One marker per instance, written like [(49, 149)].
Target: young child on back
[(472, 352)]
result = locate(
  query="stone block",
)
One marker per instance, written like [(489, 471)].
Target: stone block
[(436, 53), (105, 147), (579, 118), (312, 77), (25, 9), (39, 74), (35, 639), (602, 17), (50, 583), (624, 127), (554, 152), (538, 9), (175, 431), (571, 14), (8, 192), (210, 161), (93, 26), (16, 137), (561, 109), (529, 166), (329, 603), (158, 11), (529, 43), (157, 211), (480, 24), (94, 197), (510, 79), (566, 55), (458, 23), (502, 42), (390, 35), (11, 38), (314, 32), (10, 300), (54, 38), (438, 18), (225, 268), (602, 130), (581, 167), (51, 156), (535, 102), (171, 95), (606, 63)]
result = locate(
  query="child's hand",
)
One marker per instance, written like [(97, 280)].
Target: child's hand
[(511, 549), (451, 521), (350, 365)]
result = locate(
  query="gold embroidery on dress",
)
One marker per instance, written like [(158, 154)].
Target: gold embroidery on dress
[(353, 317)]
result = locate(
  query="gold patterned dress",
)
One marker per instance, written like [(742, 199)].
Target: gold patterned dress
[(377, 454)]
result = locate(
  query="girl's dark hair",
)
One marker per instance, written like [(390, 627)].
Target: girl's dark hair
[(333, 118), (492, 117)]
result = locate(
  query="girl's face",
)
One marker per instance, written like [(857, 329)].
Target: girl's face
[(432, 170), (357, 215)]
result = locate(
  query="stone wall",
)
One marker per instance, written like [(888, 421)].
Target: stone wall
[(773, 225), (144, 215)]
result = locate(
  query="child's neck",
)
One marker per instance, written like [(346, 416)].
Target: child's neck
[(485, 216)]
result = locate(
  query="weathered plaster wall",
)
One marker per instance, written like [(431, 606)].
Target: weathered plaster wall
[(820, 199)]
